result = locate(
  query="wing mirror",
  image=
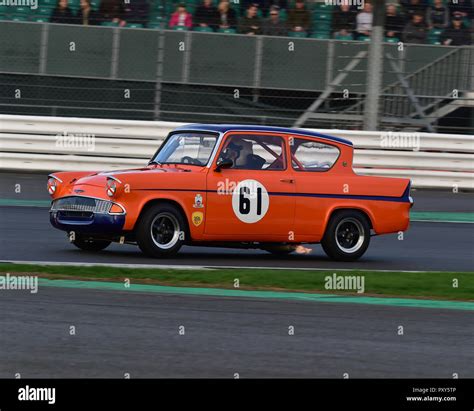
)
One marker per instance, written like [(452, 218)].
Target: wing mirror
[(223, 163)]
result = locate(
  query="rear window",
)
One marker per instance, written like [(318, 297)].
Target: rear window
[(307, 155)]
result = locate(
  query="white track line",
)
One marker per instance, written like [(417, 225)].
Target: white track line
[(206, 267)]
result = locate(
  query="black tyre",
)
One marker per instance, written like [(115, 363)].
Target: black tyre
[(161, 230), (347, 236), (89, 244)]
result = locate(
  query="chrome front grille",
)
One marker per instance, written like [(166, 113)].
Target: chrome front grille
[(83, 204)]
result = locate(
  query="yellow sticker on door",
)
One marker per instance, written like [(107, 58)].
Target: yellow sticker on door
[(197, 218)]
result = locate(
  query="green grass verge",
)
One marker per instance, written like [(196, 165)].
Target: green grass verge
[(438, 285)]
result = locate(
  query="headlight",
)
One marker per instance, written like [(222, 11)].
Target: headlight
[(52, 185), (111, 188)]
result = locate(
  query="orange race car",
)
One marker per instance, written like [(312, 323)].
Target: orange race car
[(238, 186)]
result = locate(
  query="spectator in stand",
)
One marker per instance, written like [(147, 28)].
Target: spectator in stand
[(245, 4), (62, 13), (414, 7), (437, 15), (227, 16), (461, 8), (281, 4), (273, 26), (456, 35), (112, 11), (364, 21), (86, 15), (181, 17), (250, 23), (415, 31), (394, 22), (343, 20), (206, 15), (299, 17), (137, 11), (262, 5)]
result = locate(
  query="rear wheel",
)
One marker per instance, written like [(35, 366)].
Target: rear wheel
[(89, 244), (160, 231), (347, 236)]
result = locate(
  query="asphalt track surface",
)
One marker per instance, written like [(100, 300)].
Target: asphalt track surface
[(119, 332), (138, 333), (27, 235)]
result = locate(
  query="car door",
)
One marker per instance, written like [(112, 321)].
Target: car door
[(312, 161), (254, 199)]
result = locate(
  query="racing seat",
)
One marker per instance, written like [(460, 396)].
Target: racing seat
[(254, 162)]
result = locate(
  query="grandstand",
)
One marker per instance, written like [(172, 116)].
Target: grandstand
[(226, 75)]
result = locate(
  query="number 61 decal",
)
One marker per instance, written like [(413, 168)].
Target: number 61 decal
[(250, 201)]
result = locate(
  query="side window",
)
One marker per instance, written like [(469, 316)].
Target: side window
[(307, 155), (255, 152)]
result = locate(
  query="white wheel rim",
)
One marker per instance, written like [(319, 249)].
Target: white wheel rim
[(349, 235), (164, 230)]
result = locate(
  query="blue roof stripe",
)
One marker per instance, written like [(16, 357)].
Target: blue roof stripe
[(223, 128)]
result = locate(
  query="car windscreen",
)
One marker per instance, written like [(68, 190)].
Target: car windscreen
[(187, 148)]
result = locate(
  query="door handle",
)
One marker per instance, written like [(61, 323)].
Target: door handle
[(287, 180)]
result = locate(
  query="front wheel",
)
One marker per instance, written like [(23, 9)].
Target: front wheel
[(89, 244), (160, 231), (347, 236)]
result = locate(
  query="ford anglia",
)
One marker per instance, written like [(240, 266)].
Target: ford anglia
[(269, 188)]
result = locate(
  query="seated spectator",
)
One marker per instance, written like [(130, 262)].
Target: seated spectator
[(245, 4), (181, 17), (299, 18), (273, 26), (206, 15), (137, 11), (364, 21), (415, 31), (281, 4), (456, 35), (112, 11), (62, 13), (394, 23), (437, 15), (265, 5), (87, 16), (343, 20), (250, 23), (414, 7), (227, 16)]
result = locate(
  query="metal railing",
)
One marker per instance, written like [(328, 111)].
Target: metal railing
[(31, 143)]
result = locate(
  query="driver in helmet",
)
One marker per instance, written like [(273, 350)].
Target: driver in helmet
[(232, 152)]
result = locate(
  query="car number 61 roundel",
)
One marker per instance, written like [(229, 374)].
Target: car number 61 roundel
[(250, 201)]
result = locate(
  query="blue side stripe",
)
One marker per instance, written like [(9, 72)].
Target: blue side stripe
[(345, 196), (402, 199)]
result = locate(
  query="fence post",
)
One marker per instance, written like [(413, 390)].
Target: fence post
[(375, 67)]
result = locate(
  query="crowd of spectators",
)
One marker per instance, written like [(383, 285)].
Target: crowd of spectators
[(114, 12), (447, 22), (413, 21)]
